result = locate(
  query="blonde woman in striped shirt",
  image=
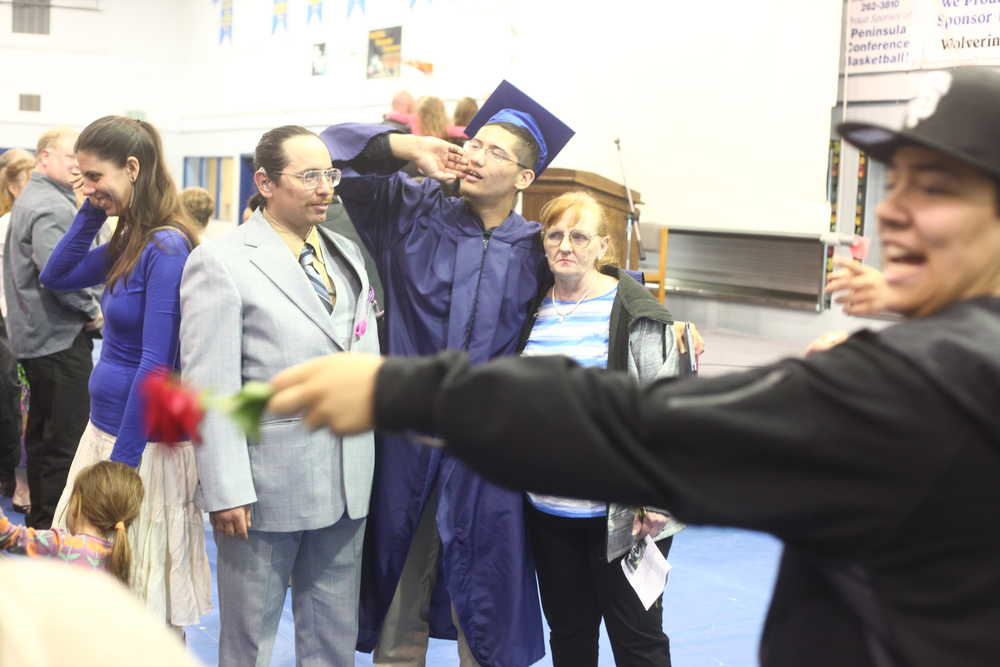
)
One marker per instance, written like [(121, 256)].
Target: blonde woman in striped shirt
[(600, 316)]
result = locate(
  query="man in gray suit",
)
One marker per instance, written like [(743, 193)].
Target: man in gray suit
[(276, 291), (49, 331)]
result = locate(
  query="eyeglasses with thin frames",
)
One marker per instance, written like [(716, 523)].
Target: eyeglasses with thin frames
[(493, 153), (311, 178), (576, 238)]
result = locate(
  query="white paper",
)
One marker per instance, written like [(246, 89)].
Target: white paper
[(646, 570)]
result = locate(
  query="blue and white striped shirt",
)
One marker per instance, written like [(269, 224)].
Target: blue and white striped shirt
[(581, 333)]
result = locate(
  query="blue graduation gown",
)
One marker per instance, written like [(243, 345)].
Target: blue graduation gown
[(446, 286)]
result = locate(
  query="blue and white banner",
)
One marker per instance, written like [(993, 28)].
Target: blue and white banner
[(279, 15), (903, 35), (315, 8), (226, 21), (879, 36), (962, 32), (350, 6)]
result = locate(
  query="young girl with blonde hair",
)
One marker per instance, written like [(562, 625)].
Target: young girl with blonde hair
[(104, 503)]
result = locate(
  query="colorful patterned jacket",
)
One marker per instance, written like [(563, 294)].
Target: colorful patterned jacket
[(81, 550)]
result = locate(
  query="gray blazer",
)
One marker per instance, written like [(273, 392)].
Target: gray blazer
[(41, 321), (247, 312)]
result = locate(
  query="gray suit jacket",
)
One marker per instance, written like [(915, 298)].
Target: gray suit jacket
[(41, 321), (247, 312)]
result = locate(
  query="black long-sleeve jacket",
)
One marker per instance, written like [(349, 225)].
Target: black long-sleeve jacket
[(876, 462)]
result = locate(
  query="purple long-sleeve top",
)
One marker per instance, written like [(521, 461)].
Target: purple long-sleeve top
[(141, 322)]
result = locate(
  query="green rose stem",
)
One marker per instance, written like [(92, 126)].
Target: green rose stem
[(244, 407)]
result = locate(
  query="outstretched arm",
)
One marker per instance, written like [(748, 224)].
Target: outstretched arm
[(28, 541), (812, 451)]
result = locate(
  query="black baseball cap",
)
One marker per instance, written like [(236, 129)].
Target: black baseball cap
[(956, 112)]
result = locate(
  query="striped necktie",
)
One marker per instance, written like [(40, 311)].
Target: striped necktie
[(305, 259)]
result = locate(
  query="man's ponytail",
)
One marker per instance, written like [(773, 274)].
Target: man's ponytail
[(256, 201)]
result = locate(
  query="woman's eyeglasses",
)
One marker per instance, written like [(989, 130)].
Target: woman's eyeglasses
[(577, 239)]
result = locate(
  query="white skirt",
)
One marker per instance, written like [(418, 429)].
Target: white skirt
[(169, 565)]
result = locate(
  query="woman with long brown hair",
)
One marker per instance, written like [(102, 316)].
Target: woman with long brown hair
[(121, 164)]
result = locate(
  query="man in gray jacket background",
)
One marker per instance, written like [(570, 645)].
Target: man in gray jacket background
[(49, 331)]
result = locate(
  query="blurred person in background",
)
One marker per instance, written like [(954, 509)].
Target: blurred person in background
[(465, 110), (200, 206), (16, 165), (50, 331), (15, 168), (432, 121), (53, 616), (400, 117)]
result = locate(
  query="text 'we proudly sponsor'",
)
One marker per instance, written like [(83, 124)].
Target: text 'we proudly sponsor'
[(963, 32)]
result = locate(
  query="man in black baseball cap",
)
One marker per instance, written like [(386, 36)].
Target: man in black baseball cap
[(947, 151)]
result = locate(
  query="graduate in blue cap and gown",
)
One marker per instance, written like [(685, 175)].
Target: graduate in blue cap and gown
[(444, 547)]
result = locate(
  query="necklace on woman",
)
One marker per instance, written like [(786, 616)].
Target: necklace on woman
[(562, 316)]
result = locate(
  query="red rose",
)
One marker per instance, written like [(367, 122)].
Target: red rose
[(173, 411)]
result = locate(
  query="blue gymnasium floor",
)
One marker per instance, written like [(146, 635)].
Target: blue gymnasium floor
[(714, 606)]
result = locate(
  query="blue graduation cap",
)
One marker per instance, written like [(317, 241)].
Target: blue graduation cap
[(507, 104)]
